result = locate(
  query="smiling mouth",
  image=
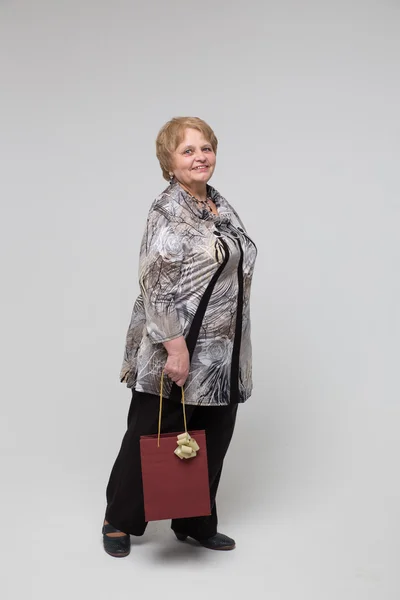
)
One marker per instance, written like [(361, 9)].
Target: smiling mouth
[(200, 168)]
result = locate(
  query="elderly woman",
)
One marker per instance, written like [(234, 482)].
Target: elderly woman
[(190, 321)]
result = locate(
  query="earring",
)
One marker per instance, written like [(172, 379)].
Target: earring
[(171, 177)]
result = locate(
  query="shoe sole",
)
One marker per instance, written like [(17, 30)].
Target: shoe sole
[(221, 549), (117, 555)]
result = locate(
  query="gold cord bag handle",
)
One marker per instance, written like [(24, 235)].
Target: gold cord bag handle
[(187, 446)]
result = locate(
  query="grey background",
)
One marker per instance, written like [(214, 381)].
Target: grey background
[(304, 98)]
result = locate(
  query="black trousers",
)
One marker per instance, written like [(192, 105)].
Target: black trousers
[(125, 507)]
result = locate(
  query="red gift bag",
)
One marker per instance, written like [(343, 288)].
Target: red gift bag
[(174, 488)]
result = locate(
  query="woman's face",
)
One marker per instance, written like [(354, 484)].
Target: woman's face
[(193, 162)]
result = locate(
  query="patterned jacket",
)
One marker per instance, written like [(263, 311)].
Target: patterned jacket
[(195, 272)]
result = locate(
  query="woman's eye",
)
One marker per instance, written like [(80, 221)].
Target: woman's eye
[(188, 151), (208, 149)]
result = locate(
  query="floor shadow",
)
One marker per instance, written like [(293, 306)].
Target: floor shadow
[(174, 551)]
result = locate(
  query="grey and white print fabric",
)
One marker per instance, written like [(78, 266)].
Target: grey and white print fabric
[(195, 272)]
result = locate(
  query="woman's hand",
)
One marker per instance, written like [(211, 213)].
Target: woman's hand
[(177, 365)]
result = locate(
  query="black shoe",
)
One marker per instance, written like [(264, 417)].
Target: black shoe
[(219, 541), (116, 546)]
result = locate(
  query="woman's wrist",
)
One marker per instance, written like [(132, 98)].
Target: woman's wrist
[(176, 346)]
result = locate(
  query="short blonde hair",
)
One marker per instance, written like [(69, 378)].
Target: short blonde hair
[(172, 134)]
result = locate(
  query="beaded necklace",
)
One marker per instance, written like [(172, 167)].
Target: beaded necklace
[(203, 203)]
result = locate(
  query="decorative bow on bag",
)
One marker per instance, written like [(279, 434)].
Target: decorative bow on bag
[(187, 446)]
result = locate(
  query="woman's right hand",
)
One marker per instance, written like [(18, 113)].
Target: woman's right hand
[(177, 365)]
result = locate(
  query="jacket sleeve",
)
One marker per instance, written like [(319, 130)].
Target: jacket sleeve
[(160, 263)]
